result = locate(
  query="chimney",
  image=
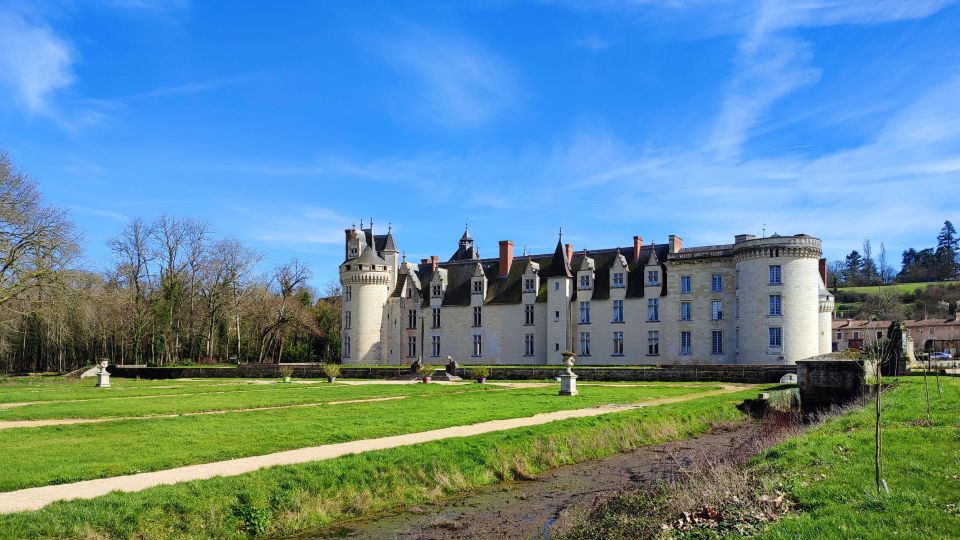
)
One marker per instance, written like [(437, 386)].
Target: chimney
[(569, 253), (433, 262), (350, 234), (637, 244), (424, 261), (823, 271), (506, 257), (675, 242)]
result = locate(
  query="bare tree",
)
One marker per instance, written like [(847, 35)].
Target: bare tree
[(132, 251), (286, 278)]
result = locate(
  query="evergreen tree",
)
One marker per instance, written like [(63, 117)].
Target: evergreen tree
[(854, 268), (948, 245)]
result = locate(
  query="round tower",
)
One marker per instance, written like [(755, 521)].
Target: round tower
[(826, 320), (367, 283), (778, 300)]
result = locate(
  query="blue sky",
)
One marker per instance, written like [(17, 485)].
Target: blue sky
[(282, 123)]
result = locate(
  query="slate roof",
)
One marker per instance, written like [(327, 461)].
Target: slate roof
[(369, 256)]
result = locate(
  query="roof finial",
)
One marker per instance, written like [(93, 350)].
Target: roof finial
[(354, 225), (404, 256), (561, 233), (389, 227), (361, 223)]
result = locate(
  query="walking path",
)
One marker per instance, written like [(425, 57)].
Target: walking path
[(39, 497), (10, 424)]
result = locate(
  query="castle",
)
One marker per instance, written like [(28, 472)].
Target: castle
[(755, 301)]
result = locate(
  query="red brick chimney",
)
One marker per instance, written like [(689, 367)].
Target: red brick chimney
[(823, 271), (434, 259), (506, 257), (424, 261), (637, 245), (675, 242), (569, 253)]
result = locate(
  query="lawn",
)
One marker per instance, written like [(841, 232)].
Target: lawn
[(284, 500), (68, 453), (829, 471)]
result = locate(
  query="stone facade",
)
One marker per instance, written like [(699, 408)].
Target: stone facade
[(758, 301)]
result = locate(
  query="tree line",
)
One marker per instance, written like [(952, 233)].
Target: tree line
[(175, 294), (938, 263)]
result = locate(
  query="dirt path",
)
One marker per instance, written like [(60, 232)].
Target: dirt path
[(529, 509), (38, 497), (10, 424)]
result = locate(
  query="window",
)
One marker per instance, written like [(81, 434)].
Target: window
[(477, 319), (436, 317), (477, 345), (478, 286), (528, 345), (556, 286), (684, 311), (685, 284), (437, 289), (618, 343), (736, 305), (409, 293), (585, 282), (348, 293), (412, 319), (346, 347), (776, 337), (435, 346), (584, 343), (716, 342), (775, 277), (716, 283), (684, 343), (880, 334), (856, 335), (528, 285), (584, 312), (617, 280), (653, 343), (839, 335), (775, 305), (528, 312), (618, 311), (653, 277), (556, 316), (346, 320), (411, 346), (653, 309), (716, 310)]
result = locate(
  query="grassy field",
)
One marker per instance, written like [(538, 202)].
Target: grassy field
[(899, 288), (283, 500), (829, 471)]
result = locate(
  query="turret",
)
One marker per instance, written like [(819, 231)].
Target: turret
[(367, 283), (559, 294)]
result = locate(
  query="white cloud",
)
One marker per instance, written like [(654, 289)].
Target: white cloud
[(593, 43), (35, 63)]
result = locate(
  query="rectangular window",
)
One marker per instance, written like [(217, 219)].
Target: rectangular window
[(776, 337), (775, 305), (685, 343), (528, 285), (435, 346), (653, 343), (716, 310), (653, 277), (477, 319), (856, 335), (775, 277), (411, 346), (685, 284), (409, 293), (618, 343), (528, 314), (584, 312), (617, 280), (716, 283), (478, 286), (347, 293), (346, 320), (716, 338), (684, 311), (556, 316), (584, 343), (839, 335), (528, 345), (346, 347), (412, 319), (436, 290), (556, 286), (653, 309), (477, 345), (436, 317), (585, 282), (618, 311)]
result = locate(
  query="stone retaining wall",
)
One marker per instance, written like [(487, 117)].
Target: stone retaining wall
[(827, 382)]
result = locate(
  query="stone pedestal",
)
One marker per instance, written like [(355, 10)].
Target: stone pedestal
[(568, 385), (103, 379)]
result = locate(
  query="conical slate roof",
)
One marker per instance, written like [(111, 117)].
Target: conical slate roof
[(369, 256), (559, 266)]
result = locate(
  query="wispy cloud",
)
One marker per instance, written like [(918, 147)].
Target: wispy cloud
[(593, 43), (35, 62), (459, 82)]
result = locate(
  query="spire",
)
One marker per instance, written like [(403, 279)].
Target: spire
[(559, 265)]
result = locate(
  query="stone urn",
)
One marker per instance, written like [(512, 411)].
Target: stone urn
[(568, 379), (103, 376)]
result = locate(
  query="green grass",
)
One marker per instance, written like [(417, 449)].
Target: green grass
[(68, 453), (284, 500), (830, 471), (899, 288)]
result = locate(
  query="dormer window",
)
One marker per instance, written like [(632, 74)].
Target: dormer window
[(478, 286), (617, 282), (409, 293), (528, 285), (653, 277), (584, 282), (437, 290), (353, 252)]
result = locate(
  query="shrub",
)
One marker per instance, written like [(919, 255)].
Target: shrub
[(481, 372), (331, 370), (286, 372), (427, 370), (254, 516)]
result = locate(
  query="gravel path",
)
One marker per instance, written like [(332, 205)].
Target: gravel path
[(38, 497)]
